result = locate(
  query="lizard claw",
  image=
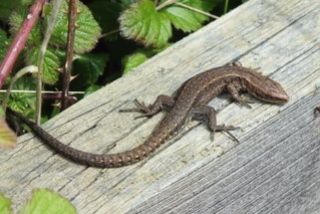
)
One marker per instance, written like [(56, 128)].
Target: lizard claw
[(227, 129), (140, 107), (244, 101)]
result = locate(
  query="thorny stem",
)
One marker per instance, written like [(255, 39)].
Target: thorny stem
[(70, 99), (43, 92), (20, 40), (72, 13)]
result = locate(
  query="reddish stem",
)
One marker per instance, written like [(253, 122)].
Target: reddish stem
[(20, 40), (70, 100)]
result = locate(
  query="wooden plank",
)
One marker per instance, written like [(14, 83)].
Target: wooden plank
[(274, 169)]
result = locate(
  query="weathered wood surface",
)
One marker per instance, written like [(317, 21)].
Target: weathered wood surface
[(274, 169)]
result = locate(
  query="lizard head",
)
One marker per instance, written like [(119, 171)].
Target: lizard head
[(275, 92), (268, 90)]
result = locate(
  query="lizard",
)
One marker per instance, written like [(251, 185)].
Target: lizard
[(190, 101)]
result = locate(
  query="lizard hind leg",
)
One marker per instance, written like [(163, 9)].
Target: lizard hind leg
[(209, 114), (227, 129)]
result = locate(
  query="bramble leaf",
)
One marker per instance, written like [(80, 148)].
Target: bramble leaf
[(87, 67), (92, 89), (5, 205), (126, 3), (50, 65), (186, 19), (87, 33), (142, 23), (45, 201), (4, 44), (110, 11), (23, 102), (140, 56), (7, 6), (133, 60), (16, 18)]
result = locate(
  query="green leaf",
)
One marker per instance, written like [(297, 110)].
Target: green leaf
[(142, 23), (103, 10), (15, 20), (5, 205), (4, 44), (87, 67), (45, 201), (134, 60), (91, 89), (8, 139), (23, 102), (50, 65), (126, 3), (7, 6), (86, 35), (186, 19)]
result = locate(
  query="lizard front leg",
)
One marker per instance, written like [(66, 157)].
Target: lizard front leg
[(234, 92)]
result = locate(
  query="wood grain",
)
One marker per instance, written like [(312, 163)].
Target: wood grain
[(274, 169)]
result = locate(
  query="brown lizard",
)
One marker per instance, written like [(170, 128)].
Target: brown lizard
[(191, 100)]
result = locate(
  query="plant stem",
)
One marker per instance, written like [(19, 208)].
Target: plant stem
[(197, 10), (72, 13), (169, 2), (20, 40), (226, 5), (43, 92), (47, 35), (25, 70), (166, 3)]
